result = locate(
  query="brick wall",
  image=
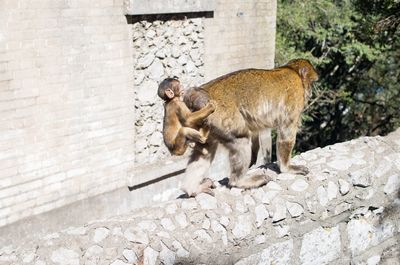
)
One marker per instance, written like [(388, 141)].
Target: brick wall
[(241, 35), (66, 103)]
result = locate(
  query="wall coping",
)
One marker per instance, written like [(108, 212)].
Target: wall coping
[(148, 7)]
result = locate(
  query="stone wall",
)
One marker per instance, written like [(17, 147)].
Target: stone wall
[(345, 211), (66, 103), (162, 48)]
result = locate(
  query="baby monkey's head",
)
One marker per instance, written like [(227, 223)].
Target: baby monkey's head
[(170, 88)]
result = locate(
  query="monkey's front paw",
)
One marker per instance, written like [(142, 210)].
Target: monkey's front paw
[(302, 170), (191, 144), (202, 140), (212, 104)]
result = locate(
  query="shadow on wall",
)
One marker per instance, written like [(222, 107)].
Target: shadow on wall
[(131, 19)]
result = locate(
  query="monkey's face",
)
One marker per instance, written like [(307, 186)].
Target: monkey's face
[(312, 75), (178, 89)]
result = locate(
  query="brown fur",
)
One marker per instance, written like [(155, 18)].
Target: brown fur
[(249, 101), (180, 124)]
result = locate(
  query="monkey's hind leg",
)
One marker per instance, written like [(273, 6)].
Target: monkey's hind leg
[(284, 146), (240, 158), (196, 170)]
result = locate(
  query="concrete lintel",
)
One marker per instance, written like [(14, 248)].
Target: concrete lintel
[(147, 7)]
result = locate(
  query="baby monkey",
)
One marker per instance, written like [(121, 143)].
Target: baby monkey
[(180, 124)]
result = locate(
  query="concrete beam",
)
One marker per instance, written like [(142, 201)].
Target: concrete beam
[(146, 7)]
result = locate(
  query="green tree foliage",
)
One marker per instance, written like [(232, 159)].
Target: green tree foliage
[(355, 47)]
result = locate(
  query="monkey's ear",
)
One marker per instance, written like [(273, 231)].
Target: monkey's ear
[(169, 93), (303, 72)]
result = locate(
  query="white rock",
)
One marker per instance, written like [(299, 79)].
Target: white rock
[(136, 236), (167, 224), (344, 187), (236, 192), (361, 178), (206, 201), (299, 185), (150, 34), (332, 190), (374, 260), (206, 224), (260, 239), (147, 225), (100, 234), (383, 168), (261, 214), (161, 53), (181, 220), (202, 235), (167, 257), (218, 228), (156, 139), (195, 54), (286, 176), (227, 209), (94, 251), (295, 209), (282, 230), (182, 60), (180, 251), (65, 256), (359, 234), (340, 164), (312, 204), (269, 196), (224, 221), (138, 77), (156, 70), (147, 92), (145, 61), (130, 255), (320, 246), (171, 208), (248, 200), (277, 254), (190, 68), (27, 258), (272, 185), (189, 204), (240, 207), (322, 196), (279, 210), (149, 256), (243, 226), (175, 52), (342, 207), (392, 185)]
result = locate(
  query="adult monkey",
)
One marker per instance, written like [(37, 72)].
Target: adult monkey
[(248, 102)]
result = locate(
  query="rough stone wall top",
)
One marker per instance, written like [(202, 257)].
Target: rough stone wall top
[(346, 210)]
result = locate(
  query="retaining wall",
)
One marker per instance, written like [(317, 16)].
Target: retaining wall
[(346, 210)]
